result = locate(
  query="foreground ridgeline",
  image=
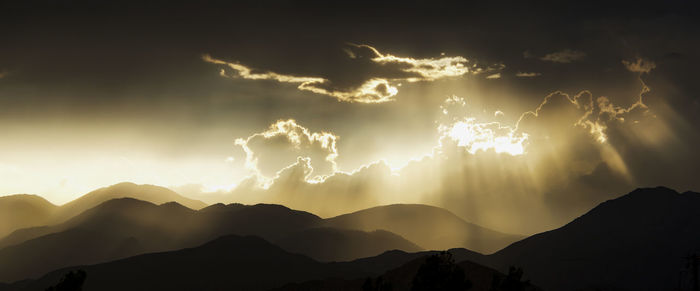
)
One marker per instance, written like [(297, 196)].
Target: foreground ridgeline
[(644, 240)]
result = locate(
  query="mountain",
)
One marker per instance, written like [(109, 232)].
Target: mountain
[(330, 244), (401, 278), (125, 227), (636, 242), (115, 229), (22, 211), (428, 226), (230, 262), (150, 193)]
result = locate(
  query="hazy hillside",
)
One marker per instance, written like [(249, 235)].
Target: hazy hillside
[(429, 227), (635, 242), (23, 210), (329, 244), (115, 229), (150, 193), (124, 227)]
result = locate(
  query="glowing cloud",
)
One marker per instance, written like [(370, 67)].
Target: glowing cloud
[(377, 89), (301, 139), (474, 136), (426, 69), (374, 90), (565, 56)]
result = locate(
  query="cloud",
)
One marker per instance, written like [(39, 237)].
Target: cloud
[(429, 69), (474, 135), (375, 90), (565, 56), (494, 76), (552, 163), (285, 142), (380, 87), (527, 74), (641, 66)]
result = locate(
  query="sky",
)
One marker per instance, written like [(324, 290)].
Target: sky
[(518, 116)]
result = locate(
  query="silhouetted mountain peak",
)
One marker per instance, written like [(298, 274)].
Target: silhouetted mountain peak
[(150, 193), (652, 193)]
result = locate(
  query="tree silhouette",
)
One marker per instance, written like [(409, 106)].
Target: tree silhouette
[(72, 281), (439, 272), (376, 285), (510, 282)]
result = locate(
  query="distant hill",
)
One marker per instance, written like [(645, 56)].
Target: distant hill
[(227, 263), (428, 226), (23, 210), (115, 229), (635, 242), (331, 244), (125, 227), (150, 193)]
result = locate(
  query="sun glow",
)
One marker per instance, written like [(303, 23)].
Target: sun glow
[(476, 136)]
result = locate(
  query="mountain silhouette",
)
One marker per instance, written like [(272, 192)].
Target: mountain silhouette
[(149, 193), (331, 244), (22, 211), (635, 242), (230, 262), (401, 278), (428, 226), (125, 227)]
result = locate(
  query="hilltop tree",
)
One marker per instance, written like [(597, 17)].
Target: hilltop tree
[(511, 282), (440, 273), (376, 285), (72, 281)]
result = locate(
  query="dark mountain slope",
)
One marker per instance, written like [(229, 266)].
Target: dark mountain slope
[(635, 242), (401, 277), (430, 227), (227, 263)]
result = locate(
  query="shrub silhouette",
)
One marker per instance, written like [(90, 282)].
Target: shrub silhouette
[(510, 282), (439, 272), (72, 281)]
